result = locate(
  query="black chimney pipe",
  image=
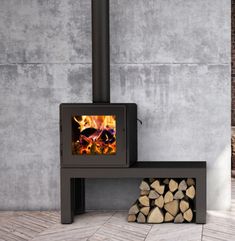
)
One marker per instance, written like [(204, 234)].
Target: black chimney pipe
[(100, 51)]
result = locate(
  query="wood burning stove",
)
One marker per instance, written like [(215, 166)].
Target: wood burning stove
[(99, 134)]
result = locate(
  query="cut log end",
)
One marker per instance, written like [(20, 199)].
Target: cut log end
[(168, 197), (166, 181), (141, 218), (190, 182), (184, 205), (144, 200), (131, 218), (172, 207), (179, 195), (164, 200), (144, 192), (144, 186), (190, 192), (179, 218), (153, 194), (173, 185), (159, 202), (183, 185), (155, 216), (168, 217), (145, 210), (155, 184), (157, 187), (188, 215), (134, 209)]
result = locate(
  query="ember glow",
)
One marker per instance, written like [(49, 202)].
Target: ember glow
[(94, 135)]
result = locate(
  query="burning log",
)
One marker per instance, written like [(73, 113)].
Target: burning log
[(94, 135), (164, 200)]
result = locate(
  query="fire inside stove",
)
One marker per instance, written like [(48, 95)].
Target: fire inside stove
[(94, 135)]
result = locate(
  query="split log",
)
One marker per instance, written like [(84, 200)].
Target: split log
[(184, 205), (182, 185), (190, 192), (134, 209), (144, 186), (168, 217), (162, 200), (188, 215), (190, 182), (155, 184), (155, 216), (166, 181), (159, 202), (141, 218), (173, 185), (172, 207), (153, 195), (131, 218), (144, 200), (179, 218), (144, 192), (160, 189), (145, 210), (168, 197), (179, 195), (157, 187)]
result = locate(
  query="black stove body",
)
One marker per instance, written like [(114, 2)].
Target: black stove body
[(115, 145)]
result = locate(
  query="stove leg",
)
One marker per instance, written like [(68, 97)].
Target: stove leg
[(79, 193), (201, 198), (67, 194)]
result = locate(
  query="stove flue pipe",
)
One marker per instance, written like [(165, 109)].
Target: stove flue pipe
[(100, 51)]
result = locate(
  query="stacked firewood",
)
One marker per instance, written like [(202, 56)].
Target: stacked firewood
[(164, 200)]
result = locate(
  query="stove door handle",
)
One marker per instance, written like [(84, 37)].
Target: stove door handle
[(140, 121)]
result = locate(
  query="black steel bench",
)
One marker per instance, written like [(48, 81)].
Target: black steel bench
[(73, 183)]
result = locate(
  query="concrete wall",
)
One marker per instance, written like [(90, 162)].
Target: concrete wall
[(171, 57)]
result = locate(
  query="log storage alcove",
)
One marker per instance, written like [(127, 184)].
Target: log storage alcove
[(73, 188), (164, 200)]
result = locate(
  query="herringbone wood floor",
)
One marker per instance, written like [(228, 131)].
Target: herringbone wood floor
[(97, 226)]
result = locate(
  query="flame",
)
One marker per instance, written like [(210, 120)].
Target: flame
[(97, 135), (97, 122)]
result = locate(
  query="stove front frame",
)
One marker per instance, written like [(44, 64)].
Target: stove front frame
[(67, 111)]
